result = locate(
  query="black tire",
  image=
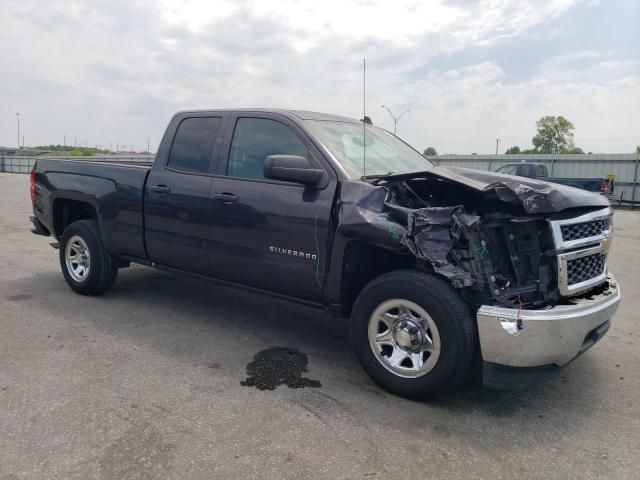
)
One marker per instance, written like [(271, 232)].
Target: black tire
[(451, 315), (102, 272)]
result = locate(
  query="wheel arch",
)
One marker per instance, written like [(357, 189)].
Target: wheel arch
[(361, 263), (70, 207)]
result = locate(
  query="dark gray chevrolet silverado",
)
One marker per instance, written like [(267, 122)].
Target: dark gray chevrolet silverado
[(441, 270)]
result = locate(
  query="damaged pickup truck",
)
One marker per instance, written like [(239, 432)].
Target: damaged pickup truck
[(444, 272)]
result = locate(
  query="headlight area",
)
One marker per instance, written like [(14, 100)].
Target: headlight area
[(511, 259)]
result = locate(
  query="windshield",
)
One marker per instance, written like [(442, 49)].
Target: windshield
[(385, 153), (508, 169)]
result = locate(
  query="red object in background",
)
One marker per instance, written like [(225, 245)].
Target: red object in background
[(604, 186)]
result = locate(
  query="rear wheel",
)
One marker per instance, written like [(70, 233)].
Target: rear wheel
[(413, 333), (86, 265)]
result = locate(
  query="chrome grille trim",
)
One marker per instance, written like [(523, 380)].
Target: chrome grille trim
[(576, 272), (564, 259), (579, 231), (600, 215), (585, 268)]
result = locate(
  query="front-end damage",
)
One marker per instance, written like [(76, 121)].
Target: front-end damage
[(488, 235), (528, 257), (486, 245)]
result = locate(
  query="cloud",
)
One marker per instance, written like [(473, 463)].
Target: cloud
[(604, 113), (115, 71)]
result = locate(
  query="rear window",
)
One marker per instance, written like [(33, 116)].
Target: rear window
[(193, 144)]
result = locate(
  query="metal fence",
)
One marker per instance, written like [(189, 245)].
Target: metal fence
[(24, 164), (13, 164), (624, 167)]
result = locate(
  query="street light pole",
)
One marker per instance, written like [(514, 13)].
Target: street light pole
[(64, 140), (395, 119), (18, 118)]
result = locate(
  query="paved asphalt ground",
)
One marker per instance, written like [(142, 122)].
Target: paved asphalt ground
[(144, 382)]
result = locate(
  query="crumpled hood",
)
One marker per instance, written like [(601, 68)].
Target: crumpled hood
[(535, 196)]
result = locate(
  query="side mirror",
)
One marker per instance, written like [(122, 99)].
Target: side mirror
[(292, 168)]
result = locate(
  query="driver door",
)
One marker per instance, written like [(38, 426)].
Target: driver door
[(265, 233)]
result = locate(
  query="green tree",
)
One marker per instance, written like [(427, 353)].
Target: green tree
[(575, 150), (638, 150), (82, 152), (430, 151), (513, 150), (555, 135)]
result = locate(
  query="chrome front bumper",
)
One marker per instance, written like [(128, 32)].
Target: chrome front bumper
[(532, 338)]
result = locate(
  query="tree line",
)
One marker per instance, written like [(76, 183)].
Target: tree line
[(553, 135)]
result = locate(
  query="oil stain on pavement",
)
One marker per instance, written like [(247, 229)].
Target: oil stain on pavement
[(19, 298), (278, 366)]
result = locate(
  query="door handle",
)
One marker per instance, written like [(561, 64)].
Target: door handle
[(225, 197), (160, 188)]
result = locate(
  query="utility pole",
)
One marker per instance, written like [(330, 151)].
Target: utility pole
[(395, 119), (75, 143), (64, 140), (148, 147), (497, 143), (117, 147), (18, 118)]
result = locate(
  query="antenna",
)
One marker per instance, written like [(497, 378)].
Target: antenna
[(364, 116)]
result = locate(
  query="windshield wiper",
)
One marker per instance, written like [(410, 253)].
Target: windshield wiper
[(376, 176)]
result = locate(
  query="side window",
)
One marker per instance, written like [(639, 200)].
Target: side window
[(508, 169), (254, 139), (193, 144), (541, 171)]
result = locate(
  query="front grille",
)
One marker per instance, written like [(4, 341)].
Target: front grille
[(585, 268), (577, 231), (581, 246)]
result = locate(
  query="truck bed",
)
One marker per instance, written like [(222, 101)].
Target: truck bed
[(588, 184), (116, 190)]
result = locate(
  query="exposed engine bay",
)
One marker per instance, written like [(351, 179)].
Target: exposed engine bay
[(502, 255), (493, 244)]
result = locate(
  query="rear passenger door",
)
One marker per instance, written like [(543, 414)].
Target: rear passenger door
[(177, 202), (266, 233)]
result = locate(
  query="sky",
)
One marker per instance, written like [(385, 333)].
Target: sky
[(114, 71)]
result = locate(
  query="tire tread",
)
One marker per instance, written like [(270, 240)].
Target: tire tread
[(458, 310), (102, 263)]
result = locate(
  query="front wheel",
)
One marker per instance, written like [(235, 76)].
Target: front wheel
[(86, 265), (413, 333)]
